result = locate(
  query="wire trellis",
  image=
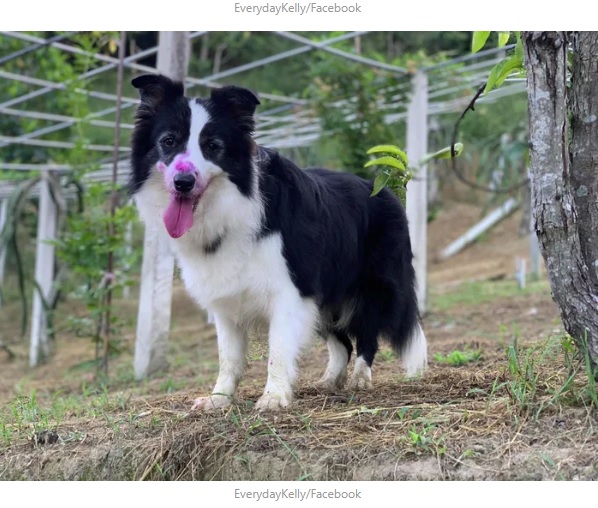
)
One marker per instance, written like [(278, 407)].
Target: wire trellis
[(292, 124)]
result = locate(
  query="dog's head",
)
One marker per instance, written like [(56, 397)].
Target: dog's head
[(191, 142)]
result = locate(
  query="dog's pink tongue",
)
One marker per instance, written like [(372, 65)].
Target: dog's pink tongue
[(178, 217)]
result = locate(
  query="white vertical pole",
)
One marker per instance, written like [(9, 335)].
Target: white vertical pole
[(44, 271), (417, 201), (3, 218), (153, 319)]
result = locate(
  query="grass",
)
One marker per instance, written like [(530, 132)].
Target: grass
[(476, 292), (502, 401), (457, 358), (548, 376), (531, 383), (26, 417)]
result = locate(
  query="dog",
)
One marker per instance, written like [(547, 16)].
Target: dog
[(260, 241)]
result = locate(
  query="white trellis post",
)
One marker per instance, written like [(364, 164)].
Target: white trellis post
[(44, 271), (153, 319), (3, 217), (417, 200)]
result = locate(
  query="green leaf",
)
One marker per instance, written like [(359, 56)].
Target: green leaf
[(388, 160), (503, 38), (389, 149), (501, 71), (380, 183), (519, 46), (478, 41), (445, 153)]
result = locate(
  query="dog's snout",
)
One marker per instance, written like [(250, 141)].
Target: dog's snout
[(184, 182)]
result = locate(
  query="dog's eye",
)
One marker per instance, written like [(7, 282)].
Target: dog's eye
[(167, 142), (211, 145)]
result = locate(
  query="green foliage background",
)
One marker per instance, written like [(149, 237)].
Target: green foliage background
[(339, 90)]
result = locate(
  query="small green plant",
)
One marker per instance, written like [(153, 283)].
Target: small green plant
[(523, 369), (457, 358), (590, 369), (406, 413), (424, 440), (387, 355), (170, 385), (529, 388), (85, 248), (395, 175)]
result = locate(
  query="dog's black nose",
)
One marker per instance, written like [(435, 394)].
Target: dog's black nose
[(184, 182)]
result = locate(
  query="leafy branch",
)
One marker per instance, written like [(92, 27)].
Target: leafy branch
[(513, 65), (397, 173)]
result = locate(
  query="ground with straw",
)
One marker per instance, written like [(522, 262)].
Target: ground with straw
[(506, 396)]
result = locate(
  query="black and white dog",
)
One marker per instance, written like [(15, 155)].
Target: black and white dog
[(262, 242)]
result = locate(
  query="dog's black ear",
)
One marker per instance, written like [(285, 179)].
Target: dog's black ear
[(236, 100), (155, 88)]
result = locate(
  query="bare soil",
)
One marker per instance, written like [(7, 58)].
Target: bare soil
[(469, 421)]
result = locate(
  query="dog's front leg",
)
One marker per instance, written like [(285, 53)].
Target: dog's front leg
[(232, 347), (292, 323)]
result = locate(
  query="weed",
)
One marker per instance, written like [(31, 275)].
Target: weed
[(467, 454), (591, 372), (163, 473), (25, 416), (307, 422), (171, 385), (424, 440), (524, 374), (457, 358), (406, 413), (551, 465), (387, 355), (533, 387)]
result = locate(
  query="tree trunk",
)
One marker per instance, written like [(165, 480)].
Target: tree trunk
[(564, 172)]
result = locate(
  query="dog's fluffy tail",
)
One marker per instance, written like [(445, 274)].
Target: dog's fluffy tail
[(415, 352)]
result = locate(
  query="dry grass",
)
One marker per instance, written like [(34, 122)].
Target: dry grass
[(524, 416)]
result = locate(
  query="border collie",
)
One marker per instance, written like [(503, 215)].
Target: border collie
[(262, 242)]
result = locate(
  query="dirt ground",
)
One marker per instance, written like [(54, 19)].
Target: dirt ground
[(519, 407)]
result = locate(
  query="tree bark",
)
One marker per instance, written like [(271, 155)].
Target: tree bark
[(564, 172)]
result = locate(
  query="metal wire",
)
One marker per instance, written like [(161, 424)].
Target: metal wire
[(280, 127)]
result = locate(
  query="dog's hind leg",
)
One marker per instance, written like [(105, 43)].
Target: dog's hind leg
[(339, 354), (292, 327), (365, 328), (362, 371), (232, 348)]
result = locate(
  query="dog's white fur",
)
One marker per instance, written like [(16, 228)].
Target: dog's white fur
[(246, 284)]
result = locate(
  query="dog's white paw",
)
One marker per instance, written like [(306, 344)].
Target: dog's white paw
[(331, 384), (273, 402), (211, 402), (361, 379), (360, 383), (362, 375)]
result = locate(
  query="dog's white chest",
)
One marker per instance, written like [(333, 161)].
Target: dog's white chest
[(241, 278)]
